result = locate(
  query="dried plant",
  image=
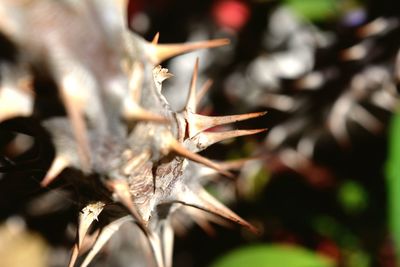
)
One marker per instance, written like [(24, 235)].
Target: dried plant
[(96, 88)]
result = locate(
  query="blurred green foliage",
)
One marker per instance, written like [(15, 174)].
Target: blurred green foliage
[(272, 256), (353, 197), (393, 181), (314, 9)]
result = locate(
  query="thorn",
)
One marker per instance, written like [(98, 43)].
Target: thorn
[(198, 123), (167, 242), (203, 90), (374, 27), (155, 39), (161, 52), (356, 52), (57, 166), (206, 139), (156, 248), (74, 255), (365, 119), (75, 114), (105, 234), (182, 151), (133, 112), (86, 218), (120, 188), (236, 164), (204, 201), (191, 100)]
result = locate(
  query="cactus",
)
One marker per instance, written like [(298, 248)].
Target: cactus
[(96, 88)]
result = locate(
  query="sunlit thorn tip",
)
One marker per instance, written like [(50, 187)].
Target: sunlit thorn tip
[(163, 52), (198, 123), (86, 218), (155, 39)]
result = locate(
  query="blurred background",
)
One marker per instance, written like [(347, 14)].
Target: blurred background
[(323, 185)]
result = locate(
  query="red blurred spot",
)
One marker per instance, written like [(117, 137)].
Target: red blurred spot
[(231, 14), (329, 249)]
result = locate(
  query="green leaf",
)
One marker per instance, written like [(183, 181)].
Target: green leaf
[(272, 256), (393, 181)]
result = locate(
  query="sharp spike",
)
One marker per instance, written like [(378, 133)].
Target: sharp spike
[(105, 234), (236, 164), (198, 123), (120, 188), (88, 215), (374, 27), (191, 100), (58, 165), (74, 255), (163, 52), (167, 242), (75, 115), (204, 201), (182, 151), (203, 90), (155, 39), (86, 218), (157, 249), (206, 139), (133, 112), (356, 52), (364, 118)]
